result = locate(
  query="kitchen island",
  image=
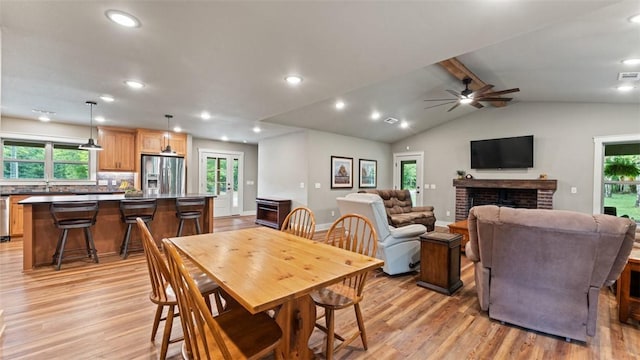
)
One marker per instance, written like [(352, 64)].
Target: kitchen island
[(41, 235)]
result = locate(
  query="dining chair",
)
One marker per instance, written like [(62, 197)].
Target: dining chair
[(300, 221), (163, 295), (234, 334), (354, 233)]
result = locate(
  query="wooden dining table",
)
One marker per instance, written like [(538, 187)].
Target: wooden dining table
[(264, 269)]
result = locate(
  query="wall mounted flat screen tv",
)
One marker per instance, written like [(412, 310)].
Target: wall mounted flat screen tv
[(503, 153)]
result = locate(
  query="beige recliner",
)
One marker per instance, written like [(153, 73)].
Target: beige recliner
[(543, 269)]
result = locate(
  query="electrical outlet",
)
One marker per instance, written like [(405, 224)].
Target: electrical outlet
[(448, 213), (333, 213), (103, 182), (317, 185), (301, 185), (433, 186), (113, 182), (574, 190)]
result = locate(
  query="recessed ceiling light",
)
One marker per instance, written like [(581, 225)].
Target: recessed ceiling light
[(631, 61), (122, 18), (107, 98), (205, 115), (624, 88), (404, 124), (293, 79), (100, 119), (43, 112), (244, 141), (134, 84), (44, 118), (256, 129), (340, 105), (177, 129), (635, 19), (375, 115), (225, 138)]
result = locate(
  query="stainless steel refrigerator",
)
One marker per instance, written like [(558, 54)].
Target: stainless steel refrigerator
[(163, 174)]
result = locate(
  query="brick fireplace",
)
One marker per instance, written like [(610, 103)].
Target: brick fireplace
[(530, 194)]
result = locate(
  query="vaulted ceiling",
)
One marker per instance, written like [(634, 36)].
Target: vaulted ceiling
[(230, 59)]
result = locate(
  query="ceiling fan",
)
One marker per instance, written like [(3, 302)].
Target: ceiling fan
[(473, 97)]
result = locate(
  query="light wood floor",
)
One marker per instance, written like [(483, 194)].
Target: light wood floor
[(88, 311)]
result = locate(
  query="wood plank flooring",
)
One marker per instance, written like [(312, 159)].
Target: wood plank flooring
[(89, 311)]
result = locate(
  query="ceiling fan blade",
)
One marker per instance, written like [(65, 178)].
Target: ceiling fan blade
[(456, 94), (482, 98), (481, 90), (440, 100), (476, 104), (454, 106), (501, 92), (450, 102)]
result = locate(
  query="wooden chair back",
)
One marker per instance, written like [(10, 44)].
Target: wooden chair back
[(158, 269), (300, 222), (197, 321), (355, 233)]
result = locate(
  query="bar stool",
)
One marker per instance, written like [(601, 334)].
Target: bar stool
[(74, 215), (189, 209), (144, 209)]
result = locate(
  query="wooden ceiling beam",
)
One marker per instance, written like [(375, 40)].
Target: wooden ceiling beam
[(460, 71)]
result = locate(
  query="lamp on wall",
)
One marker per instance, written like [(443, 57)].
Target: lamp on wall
[(167, 151), (91, 144)]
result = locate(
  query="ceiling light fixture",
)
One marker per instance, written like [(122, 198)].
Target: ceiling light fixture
[(256, 129), (177, 129), (134, 84), (625, 88), (225, 138), (340, 105), (635, 19), (91, 144), (44, 118), (167, 151), (293, 79), (375, 115), (631, 61), (100, 119), (404, 124), (205, 115), (466, 100), (107, 98), (122, 18)]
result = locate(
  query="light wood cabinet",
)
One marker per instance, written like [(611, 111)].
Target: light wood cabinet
[(153, 141), (16, 215), (118, 152)]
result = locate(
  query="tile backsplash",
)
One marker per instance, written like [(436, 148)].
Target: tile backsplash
[(111, 183)]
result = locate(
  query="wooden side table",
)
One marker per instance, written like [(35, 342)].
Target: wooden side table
[(629, 288), (271, 211), (440, 262), (460, 227)]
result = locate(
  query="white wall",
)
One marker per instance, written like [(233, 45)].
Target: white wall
[(250, 167), (563, 147), (53, 129)]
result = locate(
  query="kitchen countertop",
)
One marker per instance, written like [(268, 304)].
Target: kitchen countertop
[(43, 193), (105, 197)]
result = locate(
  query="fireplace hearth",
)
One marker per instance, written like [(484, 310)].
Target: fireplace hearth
[(530, 194)]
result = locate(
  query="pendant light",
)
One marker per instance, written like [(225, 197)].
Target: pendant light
[(168, 151), (91, 144)]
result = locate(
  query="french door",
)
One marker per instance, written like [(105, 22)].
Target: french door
[(221, 175), (407, 174)]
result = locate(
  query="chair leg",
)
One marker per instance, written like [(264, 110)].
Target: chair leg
[(218, 301), (64, 241), (363, 334), (198, 231), (58, 247), (330, 333), (124, 248), (180, 228), (156, 321), (92, 246), (167, 332)]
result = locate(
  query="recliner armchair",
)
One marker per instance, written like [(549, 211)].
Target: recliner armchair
[(398, 247), (543, 269)]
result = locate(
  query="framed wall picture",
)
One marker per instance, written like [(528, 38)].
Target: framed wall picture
[(341, 172), (368, 173)]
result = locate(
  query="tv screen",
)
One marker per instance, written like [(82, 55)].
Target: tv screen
[(503, 153)]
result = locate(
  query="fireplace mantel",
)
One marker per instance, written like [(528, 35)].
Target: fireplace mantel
[(536, 193), (537, 184)]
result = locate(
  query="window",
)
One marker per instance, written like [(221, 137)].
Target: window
[(33, 160), (70, 163), (23, 160)]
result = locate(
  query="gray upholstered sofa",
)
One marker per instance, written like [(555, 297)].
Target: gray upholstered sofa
[(400, 210), (543, 269)]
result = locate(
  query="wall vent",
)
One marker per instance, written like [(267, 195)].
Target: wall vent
[(629, 76), (391, 120)]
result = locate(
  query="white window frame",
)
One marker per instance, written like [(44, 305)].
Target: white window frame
[(48, 165)]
